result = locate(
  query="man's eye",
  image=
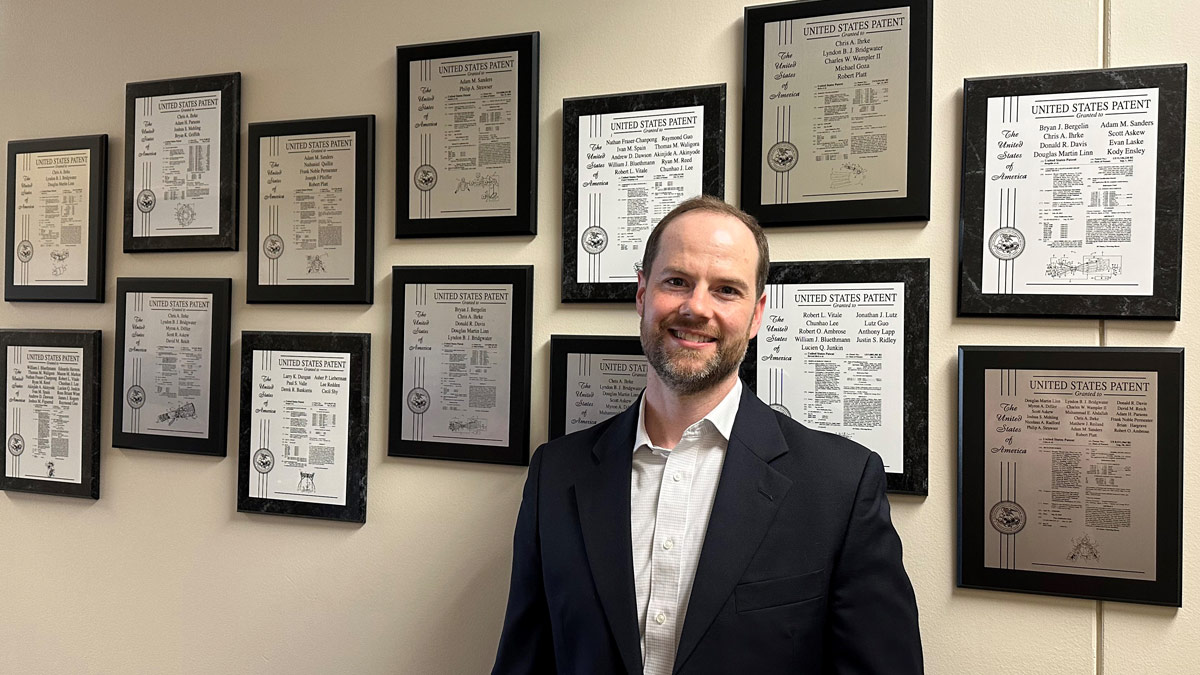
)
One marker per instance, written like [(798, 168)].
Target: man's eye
[(674, 281), (727, 290)]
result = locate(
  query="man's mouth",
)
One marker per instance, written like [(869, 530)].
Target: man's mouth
[(690, 337)]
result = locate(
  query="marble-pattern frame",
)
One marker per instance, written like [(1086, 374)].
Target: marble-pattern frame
[(358, 345), (1171, 81), (914, 274), (711, 97)]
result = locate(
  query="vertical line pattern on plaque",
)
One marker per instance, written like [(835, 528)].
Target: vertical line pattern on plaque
[(418, 421), (15, 417), (783, 121)]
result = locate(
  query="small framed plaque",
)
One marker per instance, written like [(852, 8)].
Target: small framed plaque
[(182, 139), (844, 348), (1070, 471), (304, 424), (460, 383), (312, 187), (1072, 194), (51, 412), (56, 219), (628, 159), (467, 137), (171, 386), (836, 111), (593, 378)]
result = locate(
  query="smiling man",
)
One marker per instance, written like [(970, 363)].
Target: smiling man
[(699, 531)]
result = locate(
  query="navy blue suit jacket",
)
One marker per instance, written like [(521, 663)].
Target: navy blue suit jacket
[(800, 571)]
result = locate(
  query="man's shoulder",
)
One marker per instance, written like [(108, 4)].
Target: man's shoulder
[(567, 455)]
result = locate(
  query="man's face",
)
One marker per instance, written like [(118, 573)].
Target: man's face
[(697, 304)]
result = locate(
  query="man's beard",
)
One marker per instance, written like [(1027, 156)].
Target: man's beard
[(674, 370)]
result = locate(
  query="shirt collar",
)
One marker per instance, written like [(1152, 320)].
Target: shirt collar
[(721, 417)]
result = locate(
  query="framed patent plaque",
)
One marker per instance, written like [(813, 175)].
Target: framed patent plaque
[(56, 219), (304, 424), (836, 111), (467, 137), (460, 384), (593, 378), (628, 159), (312, 214), (1070, 471), (844, 348), (171, 381), (181, 163), (1072, 194), (51, 413)]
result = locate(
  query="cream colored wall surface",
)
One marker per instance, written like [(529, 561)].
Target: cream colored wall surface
[(162, 575)]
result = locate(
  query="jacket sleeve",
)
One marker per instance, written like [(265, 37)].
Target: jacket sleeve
[(872, 625), (526, 644)]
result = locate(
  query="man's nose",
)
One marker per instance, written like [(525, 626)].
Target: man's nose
[(698, 304)]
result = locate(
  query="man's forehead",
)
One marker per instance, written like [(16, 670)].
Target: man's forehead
[(709, 232)]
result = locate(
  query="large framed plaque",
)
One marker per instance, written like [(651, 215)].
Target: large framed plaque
[(304, 424), (312, 219), (467, 137), (1072, 194), (182, 138), (51, 412), (171, 385), (628, 159), (836, 111), (56, 219), (844, 348), (460, 383), (593, 378), (1070, 471)]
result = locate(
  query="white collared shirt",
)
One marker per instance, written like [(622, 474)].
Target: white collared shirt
[(671, 498)]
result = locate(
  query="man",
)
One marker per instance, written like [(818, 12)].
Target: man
[(700, 531)]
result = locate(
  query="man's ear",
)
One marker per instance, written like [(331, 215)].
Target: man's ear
[(756, 320), (640, 297)]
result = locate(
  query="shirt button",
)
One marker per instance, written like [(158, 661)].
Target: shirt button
[(676, 476), (661, 618), (668, 544)]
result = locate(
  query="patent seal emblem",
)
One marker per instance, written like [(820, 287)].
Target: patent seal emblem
[(779, 408), (418, 400), (264, 461), (1006, 243), (135, 396), (273, 246), (594, 239), (425, 177), (146, 200), (783, 156), (24, 251), (16, 445), (1008, 517)]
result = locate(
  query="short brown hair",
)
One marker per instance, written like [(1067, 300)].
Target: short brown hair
[(713, 205)]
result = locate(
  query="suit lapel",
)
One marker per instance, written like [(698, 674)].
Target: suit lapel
[(602, 496), (748, 495)]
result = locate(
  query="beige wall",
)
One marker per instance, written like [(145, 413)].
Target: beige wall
[(163, 575)]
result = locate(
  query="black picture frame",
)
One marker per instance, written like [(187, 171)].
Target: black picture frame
[(561, 347), (524, 221), (266, 235), (407, 379), (710, 97), (974, 233), (973, 502), (214, 444), (89, 342), (264, 344), (141, 200), (914, 206), (914, 274), (65, 149)]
